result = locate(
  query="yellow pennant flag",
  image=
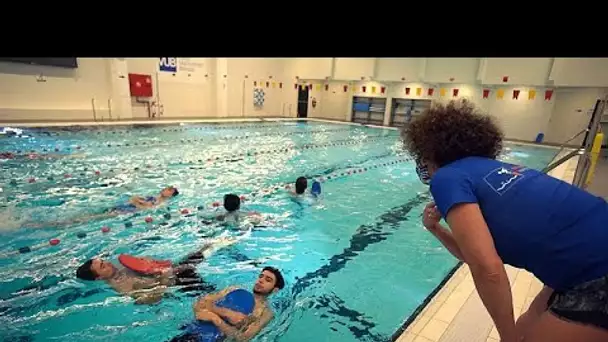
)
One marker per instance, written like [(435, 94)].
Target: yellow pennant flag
[(318, 86), (500, 93), (274, 84), (261, 84), (373, 90), (442, 92), (531, 94), (418, 91)]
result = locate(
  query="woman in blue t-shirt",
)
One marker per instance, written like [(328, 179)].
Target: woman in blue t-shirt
[(500, 213)]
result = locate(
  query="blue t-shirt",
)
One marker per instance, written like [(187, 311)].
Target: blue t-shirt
[(539, 223)]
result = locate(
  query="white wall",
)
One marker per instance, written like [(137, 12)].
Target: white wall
[(30, 92), (223, 87)]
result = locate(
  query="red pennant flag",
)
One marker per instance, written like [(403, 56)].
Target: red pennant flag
[(281, 85), (326, 87), (407, 91), (267, 84), (345, 88), (548, 94), (515, 94), (486, 93), (430, 91), (310, 87), (505, 78), (382, 89), (295, 86), (255, 83), (363, 89), (455, 92)]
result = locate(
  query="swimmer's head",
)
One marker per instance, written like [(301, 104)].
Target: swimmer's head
[(449, 132), (270, 280), (232, 202), (169, 191), (95, 269), (301, 185)]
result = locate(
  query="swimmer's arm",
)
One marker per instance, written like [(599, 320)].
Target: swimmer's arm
[(252, 330), (208, 302), (149, 298)]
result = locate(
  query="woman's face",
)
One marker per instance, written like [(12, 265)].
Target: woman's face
[(425, 171)]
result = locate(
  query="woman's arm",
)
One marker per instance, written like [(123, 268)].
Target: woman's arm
[(430, 219), (475, 242)]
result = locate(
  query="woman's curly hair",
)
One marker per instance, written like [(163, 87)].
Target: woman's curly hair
[(446, 133)]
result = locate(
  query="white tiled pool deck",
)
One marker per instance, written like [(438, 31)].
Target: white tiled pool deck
[(456, 313)]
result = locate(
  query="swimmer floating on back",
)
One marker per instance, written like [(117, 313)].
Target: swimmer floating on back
[(137, 202), (35, 156), (134, 204), (149, 287)]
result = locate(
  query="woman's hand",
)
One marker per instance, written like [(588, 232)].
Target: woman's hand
[(431, 216)]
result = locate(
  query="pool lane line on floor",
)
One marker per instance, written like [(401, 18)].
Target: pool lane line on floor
[(156, 143), (365, 236), (148, 220), (86, 173)]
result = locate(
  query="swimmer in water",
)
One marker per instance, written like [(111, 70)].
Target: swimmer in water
[(35, 156), (233, 214), (235, 325), (135, 203), (149, 289), (301, 187)]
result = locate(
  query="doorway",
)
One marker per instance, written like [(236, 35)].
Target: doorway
[(303, 101)]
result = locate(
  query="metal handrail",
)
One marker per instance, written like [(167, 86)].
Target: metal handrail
[(562, 160)]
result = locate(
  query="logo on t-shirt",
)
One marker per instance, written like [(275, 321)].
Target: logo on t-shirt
[(503, 178)]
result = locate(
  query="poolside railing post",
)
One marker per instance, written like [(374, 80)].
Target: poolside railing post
[(582, 168)]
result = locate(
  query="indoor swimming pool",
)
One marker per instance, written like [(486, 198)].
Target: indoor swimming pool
[(357, 262)]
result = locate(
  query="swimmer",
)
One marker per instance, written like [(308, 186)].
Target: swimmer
[(134, 204), (137, 202), (149, 289), (33, 156), (235, 325), (301, 187), (232, 205), (301, 195)]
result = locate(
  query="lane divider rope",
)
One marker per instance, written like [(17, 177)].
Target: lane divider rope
[(149, 220), (85, 172), (180, 142)]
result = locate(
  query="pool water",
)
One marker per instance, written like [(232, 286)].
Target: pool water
[(356, 264)]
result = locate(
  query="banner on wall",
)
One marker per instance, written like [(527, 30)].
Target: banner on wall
[(486, 93), (531, 94), (500, 93), (182, 70), (515, 94), (455, 92), (442, 92), (168, 64), (548, 94), (407, 91), (430, 91), (373, 89), (382, 90), (418, 91)]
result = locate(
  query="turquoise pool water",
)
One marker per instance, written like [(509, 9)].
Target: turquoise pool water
[(356, 264)]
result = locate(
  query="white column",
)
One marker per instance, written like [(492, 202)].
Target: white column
[(119, 102)]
